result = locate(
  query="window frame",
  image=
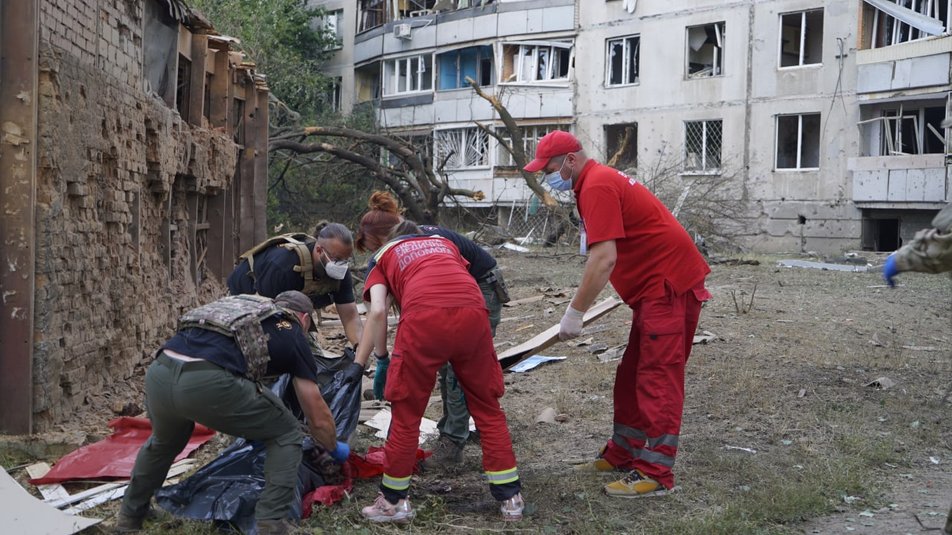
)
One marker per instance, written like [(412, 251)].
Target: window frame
[(803, 41), (717, 68), (333, 21), (800, 143), (626, 49), (422, 75), (466, 132), (483, 52), (503, 133), (555, 49), (704, 170)]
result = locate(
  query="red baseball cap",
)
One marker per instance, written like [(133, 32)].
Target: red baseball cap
[(555, 143)]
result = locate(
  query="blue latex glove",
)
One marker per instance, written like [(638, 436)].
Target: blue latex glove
[(341, 452), (380, 376), (890, 270)]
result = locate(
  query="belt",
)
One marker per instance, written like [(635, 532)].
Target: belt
[(489, 278), (186, 364)]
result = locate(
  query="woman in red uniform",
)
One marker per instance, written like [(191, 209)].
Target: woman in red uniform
[(443, 319)]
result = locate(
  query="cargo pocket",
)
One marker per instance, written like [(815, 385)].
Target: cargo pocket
[(397, 388), (663, 339)]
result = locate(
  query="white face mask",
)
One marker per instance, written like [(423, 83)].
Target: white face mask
[(335, 269), (555, 180)]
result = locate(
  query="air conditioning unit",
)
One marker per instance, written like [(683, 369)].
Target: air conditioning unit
[(402, 31)]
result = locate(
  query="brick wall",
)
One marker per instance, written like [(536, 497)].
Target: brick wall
[(117, 169)]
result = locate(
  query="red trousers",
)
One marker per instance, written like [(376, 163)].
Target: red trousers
[(649, 384), (427, 339)]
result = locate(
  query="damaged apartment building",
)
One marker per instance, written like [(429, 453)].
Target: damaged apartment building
[(133, 164), (824, 117)]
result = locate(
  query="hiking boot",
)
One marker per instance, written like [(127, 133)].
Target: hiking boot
[(384, 511), (598, 465), (635, 485), (275, 526), (447, 455), (512, 508), (129, 524)]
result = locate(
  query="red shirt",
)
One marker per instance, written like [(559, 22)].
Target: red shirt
[(425, 272), (653, 248)]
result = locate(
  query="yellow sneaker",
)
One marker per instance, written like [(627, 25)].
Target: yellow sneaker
[(635, 485), (598, 465)]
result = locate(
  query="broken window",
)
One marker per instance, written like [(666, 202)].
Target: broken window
[(908, 130), (332, 96), (702, 146), (891, 22), (622, 60), (475, 62), (530, 138), (412, 74), (183, 86), (367, 82), (371, 13), (798, 141), (705, 50), (460, 148), (333, 23), (801, 38), (160, 48), (537, 62), (621, 143)]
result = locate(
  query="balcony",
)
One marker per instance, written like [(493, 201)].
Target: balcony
[(911, 181)]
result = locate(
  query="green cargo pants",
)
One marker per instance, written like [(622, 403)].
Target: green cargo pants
[(455, 421), (178, 394)]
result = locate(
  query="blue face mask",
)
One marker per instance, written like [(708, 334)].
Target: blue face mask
[(555, 180)]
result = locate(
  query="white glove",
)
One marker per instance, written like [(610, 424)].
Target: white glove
[(571, 324)]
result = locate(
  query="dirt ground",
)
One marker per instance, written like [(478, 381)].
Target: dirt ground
[(782, 431)]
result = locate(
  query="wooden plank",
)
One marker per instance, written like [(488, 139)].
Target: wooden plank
[(53, 491), (550, 336), (524, 301)]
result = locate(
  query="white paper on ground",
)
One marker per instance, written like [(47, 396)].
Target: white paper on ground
[(381, 422), (532, 362)]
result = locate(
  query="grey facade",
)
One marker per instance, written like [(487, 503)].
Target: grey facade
[(824, 116)]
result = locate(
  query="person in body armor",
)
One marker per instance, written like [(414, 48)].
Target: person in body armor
[(316, 267), (385, 220), (207, 373)]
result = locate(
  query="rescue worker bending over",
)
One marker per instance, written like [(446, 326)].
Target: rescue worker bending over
[(454, 424), (443, 319), (930, 251), (207, 373), (318, 268)]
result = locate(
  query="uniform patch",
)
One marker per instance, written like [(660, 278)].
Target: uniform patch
[(284, 325)]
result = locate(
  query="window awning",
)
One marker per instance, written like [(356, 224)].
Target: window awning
[(929, 25)]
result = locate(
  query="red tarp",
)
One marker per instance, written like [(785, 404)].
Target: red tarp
[(357, 467), (114, 457)]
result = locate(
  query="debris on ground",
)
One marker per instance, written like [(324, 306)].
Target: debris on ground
[(533, 362), (826, 266)]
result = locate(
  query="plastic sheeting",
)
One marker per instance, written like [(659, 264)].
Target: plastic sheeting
[(114, 456), (226, 490)]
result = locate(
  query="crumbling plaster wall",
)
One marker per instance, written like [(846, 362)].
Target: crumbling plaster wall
[(115, 167)]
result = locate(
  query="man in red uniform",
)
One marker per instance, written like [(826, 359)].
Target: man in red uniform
[(653, 264), (443, 318)]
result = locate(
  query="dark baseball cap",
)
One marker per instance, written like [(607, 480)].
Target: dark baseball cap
[(555, 143), (296, 301)]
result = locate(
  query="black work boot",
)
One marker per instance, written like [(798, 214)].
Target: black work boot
[(129, 524), (272, 527), (448, 455)]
